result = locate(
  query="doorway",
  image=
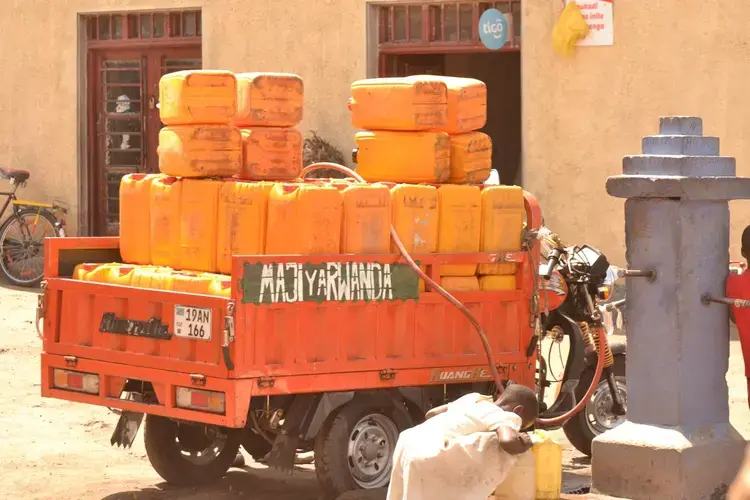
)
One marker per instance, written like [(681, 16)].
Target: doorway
[(123, 94), (443, 39)]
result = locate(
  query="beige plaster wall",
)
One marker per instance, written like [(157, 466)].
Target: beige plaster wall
[(582, 115)]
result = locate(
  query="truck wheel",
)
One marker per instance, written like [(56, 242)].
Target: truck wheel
[(354, 449), (189, 454), (596, 417)]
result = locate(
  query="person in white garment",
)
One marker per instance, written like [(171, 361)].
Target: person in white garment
[(464, 449)]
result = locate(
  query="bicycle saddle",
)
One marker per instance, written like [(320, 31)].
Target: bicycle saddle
[(17, 175)]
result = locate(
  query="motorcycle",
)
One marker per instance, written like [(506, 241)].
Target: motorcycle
[(575, 286)]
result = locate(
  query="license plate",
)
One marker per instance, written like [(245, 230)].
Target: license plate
[(192, 322)]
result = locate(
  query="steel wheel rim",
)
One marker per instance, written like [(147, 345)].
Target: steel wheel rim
[(30, 248), (200, 454), (598, 412), (370, 450)]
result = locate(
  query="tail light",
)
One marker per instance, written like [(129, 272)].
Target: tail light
[(196, 399), (76, 381)]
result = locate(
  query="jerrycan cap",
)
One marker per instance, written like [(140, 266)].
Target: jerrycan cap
[(354, 155)]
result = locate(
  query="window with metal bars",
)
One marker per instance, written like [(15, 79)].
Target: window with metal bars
[(442, 27), (121, 28)]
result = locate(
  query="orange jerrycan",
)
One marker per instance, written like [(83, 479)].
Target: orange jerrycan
[(269, 100), (271, 154), (367, 218), (243, 208), (497, 282), (81, 271), (96, 271), (414, 215), (460, 283), (197, 97), (502, 225), (166, 194), (200, 151), (199, 214), (410, 103), (153, 277), (471, 158), (467, 104), (459, 225), (221, 286), (412, 157), (135, 216), (121, 274), (304, 219), (112, 273), (192, 282)]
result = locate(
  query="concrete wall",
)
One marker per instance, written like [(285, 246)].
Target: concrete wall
[(40, 57), (580, 115)]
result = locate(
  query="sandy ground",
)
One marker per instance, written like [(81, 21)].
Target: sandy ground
[(52, 449)]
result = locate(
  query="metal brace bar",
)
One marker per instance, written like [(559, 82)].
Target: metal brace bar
[(228, 335), (707, 299), (638, 273)]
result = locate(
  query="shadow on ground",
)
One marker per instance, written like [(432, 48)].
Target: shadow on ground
[(265, 483), (249, 483)]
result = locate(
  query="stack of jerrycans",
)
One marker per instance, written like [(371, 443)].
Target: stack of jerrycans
[(269, 108), (199, 146), (424, 129)]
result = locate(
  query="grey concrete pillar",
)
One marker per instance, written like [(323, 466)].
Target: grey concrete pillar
[(677, 442)]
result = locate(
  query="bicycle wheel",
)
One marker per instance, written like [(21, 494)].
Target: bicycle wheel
[(22, 246)]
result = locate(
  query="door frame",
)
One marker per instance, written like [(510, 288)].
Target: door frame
[(152, 66), (173, 39)]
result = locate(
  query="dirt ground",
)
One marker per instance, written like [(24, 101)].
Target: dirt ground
[(52, 449)]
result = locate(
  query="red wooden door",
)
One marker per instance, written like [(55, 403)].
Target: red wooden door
[(125, 121)]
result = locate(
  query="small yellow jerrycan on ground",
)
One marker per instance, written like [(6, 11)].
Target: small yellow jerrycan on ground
[(537, 474), (548, 461)]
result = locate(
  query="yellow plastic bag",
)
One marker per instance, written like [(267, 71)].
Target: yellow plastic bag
[(569, 29)]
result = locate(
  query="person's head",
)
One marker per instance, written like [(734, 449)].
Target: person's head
[(522, 401), (746, 243)]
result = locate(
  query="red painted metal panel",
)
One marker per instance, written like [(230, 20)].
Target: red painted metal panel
[(347, 337), (74, 311), (113, 375)]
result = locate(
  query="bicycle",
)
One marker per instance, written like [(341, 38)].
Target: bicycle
[(23, 232)]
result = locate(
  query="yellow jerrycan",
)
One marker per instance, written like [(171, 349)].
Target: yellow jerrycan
[(537, 474)]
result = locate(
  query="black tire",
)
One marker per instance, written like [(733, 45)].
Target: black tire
[(332, 461), (579, 431), (165, 451), (255, 444), (5, 242)]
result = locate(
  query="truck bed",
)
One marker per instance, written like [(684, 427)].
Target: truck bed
[(292, 325)]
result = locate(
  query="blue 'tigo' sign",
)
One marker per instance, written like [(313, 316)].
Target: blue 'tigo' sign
[(493, 29)]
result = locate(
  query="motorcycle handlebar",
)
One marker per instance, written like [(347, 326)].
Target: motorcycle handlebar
[(552, 261)]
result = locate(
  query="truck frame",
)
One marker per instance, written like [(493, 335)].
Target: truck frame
[(331, 353)]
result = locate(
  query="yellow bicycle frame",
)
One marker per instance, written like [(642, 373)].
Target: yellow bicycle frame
[(25, 203)]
